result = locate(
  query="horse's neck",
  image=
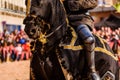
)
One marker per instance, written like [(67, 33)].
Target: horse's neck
[(58, 13)]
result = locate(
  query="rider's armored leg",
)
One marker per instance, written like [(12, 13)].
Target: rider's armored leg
[(89, 44)]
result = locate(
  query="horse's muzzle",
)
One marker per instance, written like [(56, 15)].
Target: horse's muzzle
[(32, 31)]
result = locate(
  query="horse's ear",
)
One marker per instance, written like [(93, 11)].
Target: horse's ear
[(27, 20), (24, 21)]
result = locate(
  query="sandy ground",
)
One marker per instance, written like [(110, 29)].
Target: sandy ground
[(18, 70)]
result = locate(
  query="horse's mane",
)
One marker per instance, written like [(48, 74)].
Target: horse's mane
[(58, 12), (57, 18)]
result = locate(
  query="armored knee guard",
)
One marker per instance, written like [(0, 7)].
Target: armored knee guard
[(90, 43), (87, 37)]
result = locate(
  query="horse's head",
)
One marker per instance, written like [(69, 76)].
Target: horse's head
[(51, 12), (34, 27), (33, 22)]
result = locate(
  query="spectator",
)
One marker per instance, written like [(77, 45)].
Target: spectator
[(26, 51), (10, 37), (22, 40), (18, 51), (5, 52), (12, 52)]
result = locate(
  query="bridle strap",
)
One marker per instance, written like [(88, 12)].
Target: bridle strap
[(43, 37)]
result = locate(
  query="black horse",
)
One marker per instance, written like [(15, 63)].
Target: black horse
[(57, 53)]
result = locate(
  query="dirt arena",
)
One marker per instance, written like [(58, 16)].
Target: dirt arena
[(18, 70)]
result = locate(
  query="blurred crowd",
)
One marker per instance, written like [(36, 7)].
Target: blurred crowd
[(14, 46)]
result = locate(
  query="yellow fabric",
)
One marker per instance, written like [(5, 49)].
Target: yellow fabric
[(102, 41), (99, 49), (74, 38)]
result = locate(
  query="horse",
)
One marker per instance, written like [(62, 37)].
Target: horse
[(57, 52)]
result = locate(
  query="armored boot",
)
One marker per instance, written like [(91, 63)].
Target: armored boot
[(89, 47), (89, 44)]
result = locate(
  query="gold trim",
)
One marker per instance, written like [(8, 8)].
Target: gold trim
[(74, 38), (106, 52), (32, 74), (65, 72), (80, 47), (42, 38), (102, 41), (33, 48)]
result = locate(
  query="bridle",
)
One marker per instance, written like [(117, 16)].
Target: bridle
[(44, 36)]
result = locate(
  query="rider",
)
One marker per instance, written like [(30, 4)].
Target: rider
[(83, 23)]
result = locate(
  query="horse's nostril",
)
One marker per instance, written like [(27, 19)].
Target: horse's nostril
[(33, 31)]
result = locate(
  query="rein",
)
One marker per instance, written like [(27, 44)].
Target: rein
[(55, 30)]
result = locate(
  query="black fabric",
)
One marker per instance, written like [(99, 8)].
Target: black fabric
[(76, 11), (78, 5), (76, 20)]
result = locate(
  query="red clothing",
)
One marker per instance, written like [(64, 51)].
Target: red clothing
[(26, 47)]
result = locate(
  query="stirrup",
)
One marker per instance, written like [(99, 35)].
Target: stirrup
[(108, 75)]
